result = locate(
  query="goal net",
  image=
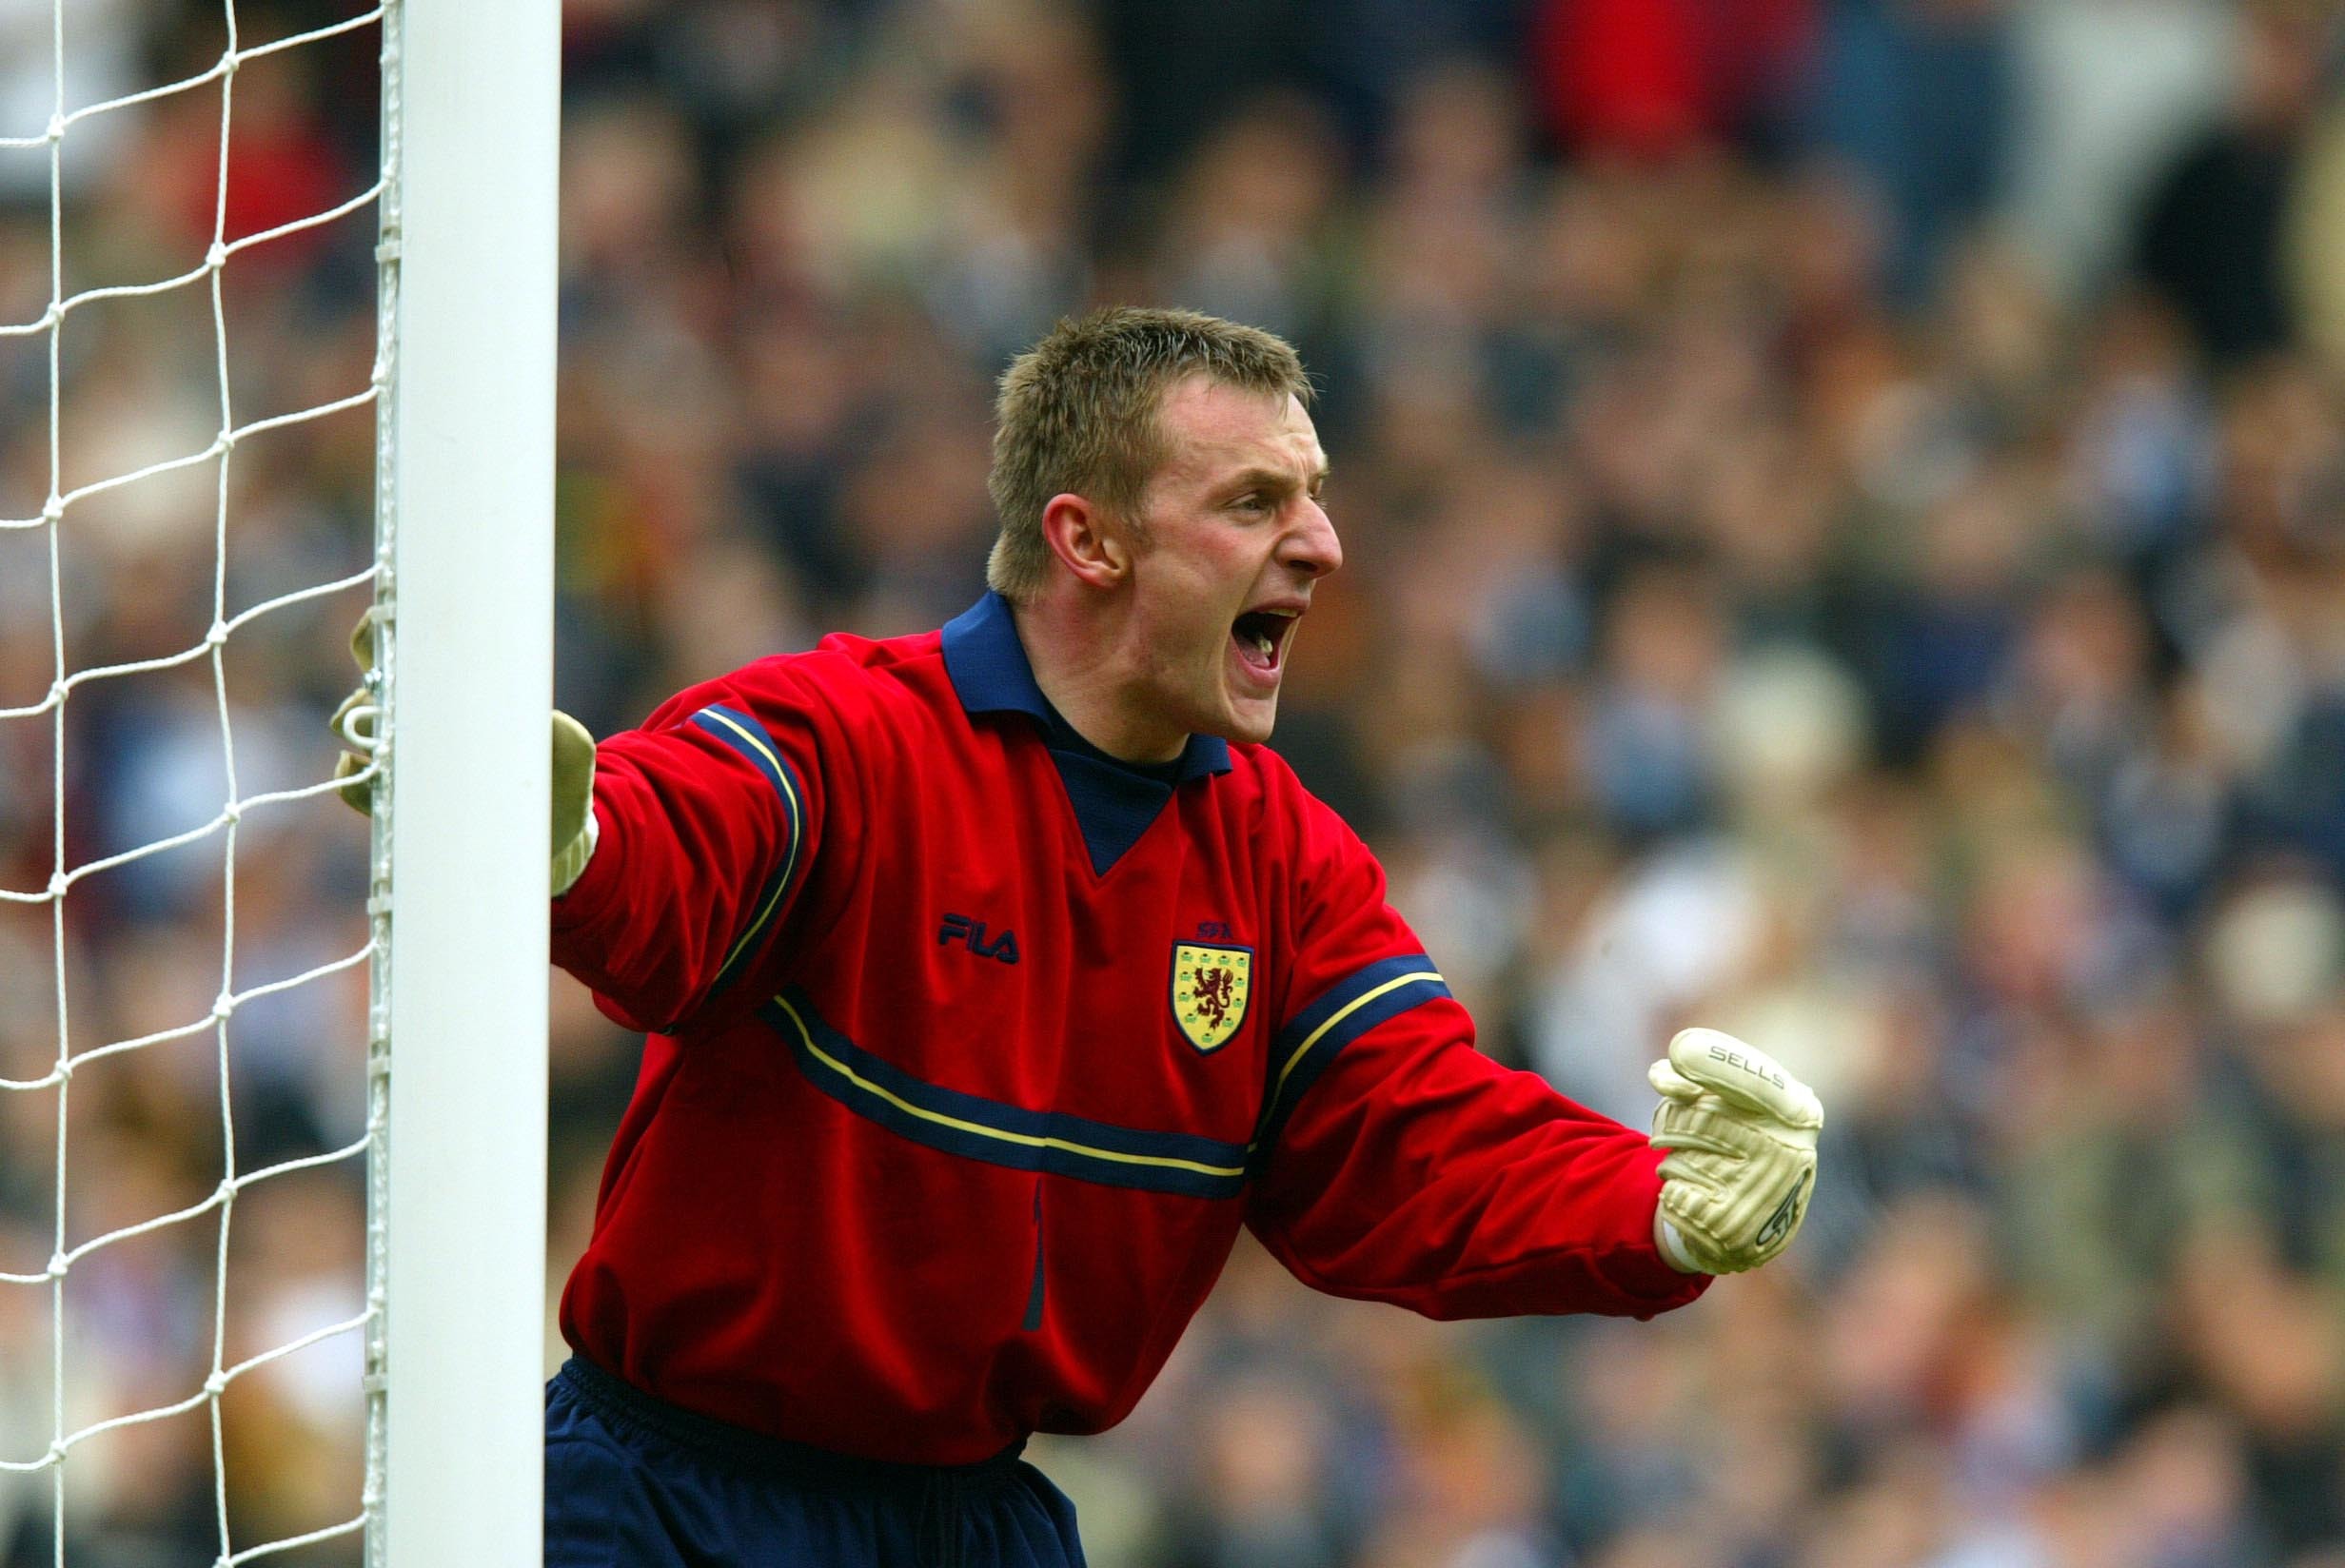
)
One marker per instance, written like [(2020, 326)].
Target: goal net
[(275, 354)]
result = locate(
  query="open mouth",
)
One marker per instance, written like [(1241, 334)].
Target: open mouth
[(1261, 638)]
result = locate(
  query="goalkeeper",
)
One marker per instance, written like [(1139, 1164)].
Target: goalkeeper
[(994, 977)]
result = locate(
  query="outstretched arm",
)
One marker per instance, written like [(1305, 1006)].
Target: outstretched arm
[(711, 819), (678, 850), (1415, 1170), (1397, 1163)]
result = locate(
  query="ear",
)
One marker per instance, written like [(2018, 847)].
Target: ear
[(1086, 540)]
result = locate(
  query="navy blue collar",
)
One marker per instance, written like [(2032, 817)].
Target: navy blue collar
[(992, 674)]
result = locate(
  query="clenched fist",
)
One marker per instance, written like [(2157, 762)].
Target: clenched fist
[(1741, 1136)]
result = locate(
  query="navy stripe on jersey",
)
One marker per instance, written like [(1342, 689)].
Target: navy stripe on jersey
[(996, 1132), (1337, 1016), (747, 736)]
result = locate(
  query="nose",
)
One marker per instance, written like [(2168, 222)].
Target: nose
[(1311, 546)]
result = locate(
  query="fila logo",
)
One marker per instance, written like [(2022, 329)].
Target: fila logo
[(971, 933)]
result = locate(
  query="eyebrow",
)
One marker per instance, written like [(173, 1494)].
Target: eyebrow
[(1274, 479)]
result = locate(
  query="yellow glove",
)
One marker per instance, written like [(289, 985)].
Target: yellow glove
[(355, 723), (575, 829), (572, 815), (1741, 1135)]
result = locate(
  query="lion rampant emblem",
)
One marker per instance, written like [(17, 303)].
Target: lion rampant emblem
[(1210, 990)]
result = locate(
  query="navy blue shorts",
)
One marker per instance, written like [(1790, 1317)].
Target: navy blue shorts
[(634, 1482)]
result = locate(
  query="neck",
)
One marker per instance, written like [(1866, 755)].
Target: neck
[(1090, 679)]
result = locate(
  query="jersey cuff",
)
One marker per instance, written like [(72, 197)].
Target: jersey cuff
[(1644, 1273), (1644, 1278)]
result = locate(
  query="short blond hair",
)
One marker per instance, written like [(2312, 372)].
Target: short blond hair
[(1077, 415)]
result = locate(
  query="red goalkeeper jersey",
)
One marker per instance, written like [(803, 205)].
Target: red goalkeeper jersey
[(970, 1050)]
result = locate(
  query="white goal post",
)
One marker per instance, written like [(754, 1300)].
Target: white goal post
[(147, 1013), (464, 608)]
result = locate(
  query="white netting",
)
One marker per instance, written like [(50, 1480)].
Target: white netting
[(194, 515)]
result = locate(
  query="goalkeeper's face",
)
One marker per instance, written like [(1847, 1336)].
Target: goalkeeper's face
[(1234, 536)]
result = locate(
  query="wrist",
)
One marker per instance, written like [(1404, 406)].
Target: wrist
[(570, 861), (1672, 1246)]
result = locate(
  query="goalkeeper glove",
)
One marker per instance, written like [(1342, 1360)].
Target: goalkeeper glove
[(575, 830), (1741, 1136)]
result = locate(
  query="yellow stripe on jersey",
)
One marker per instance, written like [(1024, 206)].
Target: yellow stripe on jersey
[(756, 742), (906, 1105)]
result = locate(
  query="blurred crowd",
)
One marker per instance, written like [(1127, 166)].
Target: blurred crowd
[(1845, 509)]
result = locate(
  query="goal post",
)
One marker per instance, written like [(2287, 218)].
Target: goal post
[(465, 639), (173, 1135)]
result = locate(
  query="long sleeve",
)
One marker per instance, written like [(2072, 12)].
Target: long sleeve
[(711, 819), (1400, 1163)]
